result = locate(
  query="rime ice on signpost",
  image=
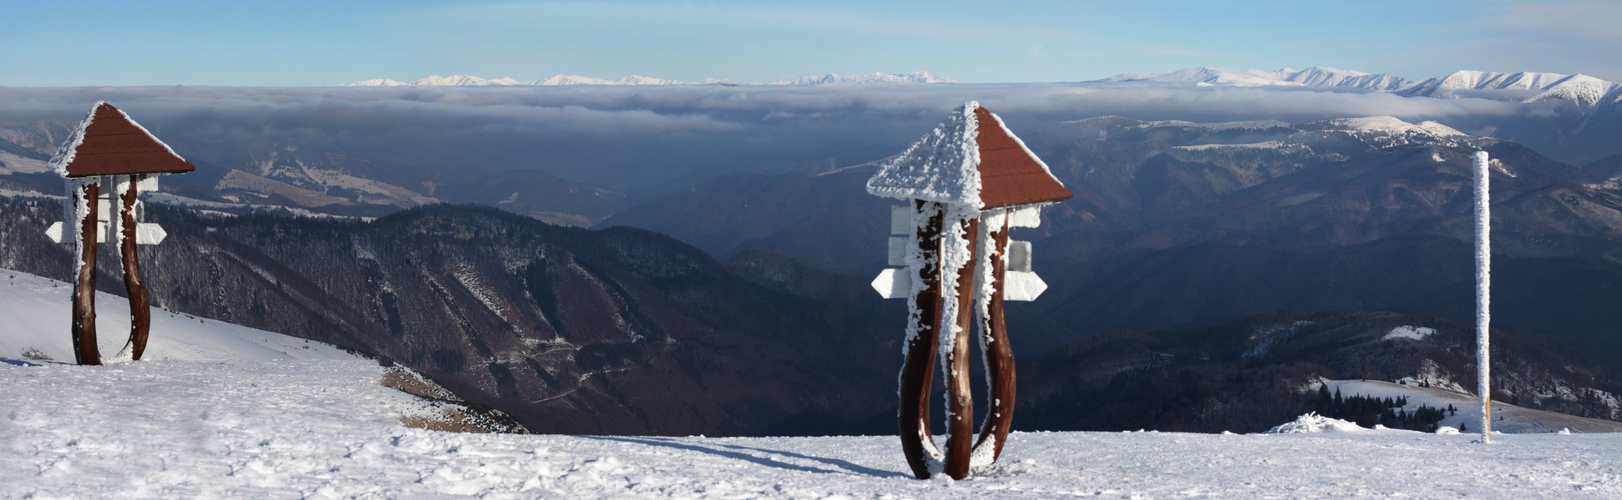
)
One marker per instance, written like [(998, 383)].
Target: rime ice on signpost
[(967, 183), (109, 148), (1483, 293)]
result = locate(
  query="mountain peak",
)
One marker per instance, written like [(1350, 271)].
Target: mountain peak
[(876, 77)]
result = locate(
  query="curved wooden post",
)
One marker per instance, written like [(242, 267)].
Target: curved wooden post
[(140, 312), (917, 443), (999, 353), (85, 351), (960, 403)]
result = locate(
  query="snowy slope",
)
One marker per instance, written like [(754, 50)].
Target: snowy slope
[(1314, 77), (38, 312), (1483, 80), (327, 429), (1392, 125), (1516, 420), (1583, 89)]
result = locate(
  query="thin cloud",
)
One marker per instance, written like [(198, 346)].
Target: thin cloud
[(641, 138)]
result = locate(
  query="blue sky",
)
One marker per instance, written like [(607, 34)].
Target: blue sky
[(297, 43)]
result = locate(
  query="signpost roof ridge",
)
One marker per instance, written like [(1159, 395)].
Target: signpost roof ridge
[(970, 159), (109, 142)]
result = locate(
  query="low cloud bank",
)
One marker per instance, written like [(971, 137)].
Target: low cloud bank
[(636, 137)]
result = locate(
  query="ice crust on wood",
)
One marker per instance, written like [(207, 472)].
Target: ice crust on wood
[(917, 262), (940, 167), (70, 148), (1483, 291)]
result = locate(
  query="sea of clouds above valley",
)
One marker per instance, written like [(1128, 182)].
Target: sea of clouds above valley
[(670, 131)]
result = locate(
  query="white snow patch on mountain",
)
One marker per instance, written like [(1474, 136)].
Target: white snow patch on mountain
[(836, 79), (1392, 125), (1314, 77), (1409, 332), (1213, 75), (1515, 419), (1482, 80), (13, 164), (375, 82), (586, 80), (1583, 91), (1252, 145), (474, 81), (1253, 124)]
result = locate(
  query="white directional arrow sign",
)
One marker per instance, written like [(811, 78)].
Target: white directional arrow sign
[(1021, 285), (145, 233), (893, 283)]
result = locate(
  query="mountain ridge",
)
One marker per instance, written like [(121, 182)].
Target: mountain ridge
[(561, 79), (1586, 91)]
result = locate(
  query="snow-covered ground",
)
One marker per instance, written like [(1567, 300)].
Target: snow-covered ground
[(242, 413), (327, 429), (38, 322)]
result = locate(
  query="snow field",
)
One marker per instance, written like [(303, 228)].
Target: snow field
[(38, 314), (327, 429)]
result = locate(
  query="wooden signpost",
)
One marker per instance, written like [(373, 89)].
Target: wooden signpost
[(109, 149), (967, 184)]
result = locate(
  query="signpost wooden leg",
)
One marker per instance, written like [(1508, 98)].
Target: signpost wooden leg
[(960, 405), (917, 443), (999, 354), (84, 285), (140, 313)]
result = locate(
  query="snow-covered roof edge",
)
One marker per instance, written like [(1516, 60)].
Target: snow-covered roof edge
[(1027, 149), (943, 166), (70, 149)]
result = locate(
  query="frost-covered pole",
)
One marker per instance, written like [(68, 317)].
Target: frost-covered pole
[(140, 310), (955, 346), (1483, 295), (85, 192), (917, 443), (996, 352)]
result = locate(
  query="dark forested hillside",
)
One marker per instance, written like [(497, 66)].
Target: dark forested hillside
[(1253, 373), (1178, 224), (616, 331)]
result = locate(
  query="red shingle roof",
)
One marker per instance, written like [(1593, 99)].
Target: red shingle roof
[(1010, 175), (112, 144)]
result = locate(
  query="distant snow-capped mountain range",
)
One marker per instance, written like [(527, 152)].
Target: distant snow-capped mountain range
[(1584, 91), (474, 81)]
